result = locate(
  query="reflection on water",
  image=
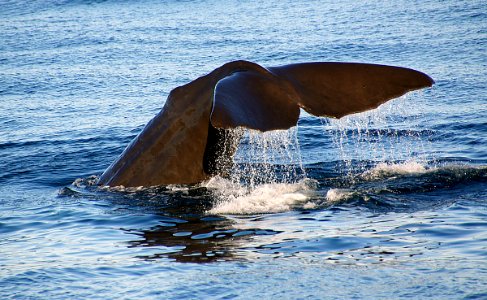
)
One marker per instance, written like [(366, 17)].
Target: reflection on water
[(200, 240), (328, 236)]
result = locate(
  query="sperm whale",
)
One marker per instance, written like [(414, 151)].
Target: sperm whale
[(191, 138)]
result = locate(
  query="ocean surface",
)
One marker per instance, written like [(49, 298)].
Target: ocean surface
[(387, 204)]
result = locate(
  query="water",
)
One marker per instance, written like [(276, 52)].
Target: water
[(386, 204)]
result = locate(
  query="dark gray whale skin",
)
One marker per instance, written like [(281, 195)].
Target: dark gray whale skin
[(191, 139)]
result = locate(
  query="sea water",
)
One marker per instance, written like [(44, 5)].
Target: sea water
[(386, 204)]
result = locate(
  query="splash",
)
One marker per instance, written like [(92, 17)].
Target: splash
[(267, 177), (385, 169), (234, 198), (85, 182), (334, 196)]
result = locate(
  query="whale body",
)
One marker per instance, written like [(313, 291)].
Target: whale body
[(191, 138)]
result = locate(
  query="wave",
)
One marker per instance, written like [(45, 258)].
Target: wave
[(19, 8), (445, 173)]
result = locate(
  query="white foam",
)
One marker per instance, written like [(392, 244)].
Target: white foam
[(123, 189), (84, 182), (265, 198), (338, 195), (391, 169)]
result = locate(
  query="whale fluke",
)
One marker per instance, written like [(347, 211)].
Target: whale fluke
[(188, 140), (254, 100), (339, 89), (271, 100)]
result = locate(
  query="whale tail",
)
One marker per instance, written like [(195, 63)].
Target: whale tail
[(190, 140), (271, 100)]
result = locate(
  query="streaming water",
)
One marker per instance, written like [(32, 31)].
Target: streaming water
[(269, 157), (388, 134)]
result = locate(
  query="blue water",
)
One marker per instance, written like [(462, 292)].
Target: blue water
[(381, 205)]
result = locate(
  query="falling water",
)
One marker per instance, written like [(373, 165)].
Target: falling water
[(267, 175), (367, 140), (269, 157)]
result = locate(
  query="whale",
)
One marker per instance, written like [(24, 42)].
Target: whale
[(193, 137)]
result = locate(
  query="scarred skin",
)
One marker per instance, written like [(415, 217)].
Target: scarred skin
[(185, 142)]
